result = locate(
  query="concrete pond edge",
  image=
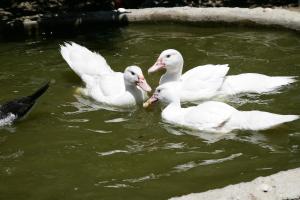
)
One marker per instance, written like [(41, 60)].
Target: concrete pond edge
[(277, 17), (260, 16), (283, 185)]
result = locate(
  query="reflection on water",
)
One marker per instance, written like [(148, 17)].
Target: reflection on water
[(85, 105), (70, 147), (208, 137)]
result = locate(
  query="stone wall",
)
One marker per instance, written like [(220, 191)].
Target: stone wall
[(15, 8), (38, 15)]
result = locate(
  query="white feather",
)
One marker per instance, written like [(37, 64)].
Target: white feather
[(254, 83), (102, 83), (213, 116), (207, 81)]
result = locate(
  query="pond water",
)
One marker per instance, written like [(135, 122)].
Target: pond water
[(68, 148)]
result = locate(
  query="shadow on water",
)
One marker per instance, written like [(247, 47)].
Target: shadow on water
[(62, 25)]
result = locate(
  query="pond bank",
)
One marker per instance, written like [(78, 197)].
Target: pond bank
[(36, 24), (283, 185)]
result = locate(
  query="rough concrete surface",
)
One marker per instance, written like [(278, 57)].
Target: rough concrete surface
[(284, 185), (264, 16), (36, 24)]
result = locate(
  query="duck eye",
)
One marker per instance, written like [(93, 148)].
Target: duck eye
[(158, 90), (168, 56), (132, 73)]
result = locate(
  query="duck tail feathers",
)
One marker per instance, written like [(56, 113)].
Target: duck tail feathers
[(40, 91), (283, 80), (259, 120)]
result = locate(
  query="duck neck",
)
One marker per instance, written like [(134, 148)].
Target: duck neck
[(130, 87), (171, 111), (133, 89), (172, 75)]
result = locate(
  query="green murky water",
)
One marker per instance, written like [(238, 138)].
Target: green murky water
[(69, 149)]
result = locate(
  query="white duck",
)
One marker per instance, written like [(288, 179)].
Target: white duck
[(207, 81), (213, 116), (114, 89)]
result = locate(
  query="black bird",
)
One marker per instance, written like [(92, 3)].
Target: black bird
[(18, 108)]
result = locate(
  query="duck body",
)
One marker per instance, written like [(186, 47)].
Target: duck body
[(207, 81), (213, 116), (253, 83), (17, 109), (110, 88)]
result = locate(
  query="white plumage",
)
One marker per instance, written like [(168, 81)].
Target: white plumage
[(115, 89), (213, 116), (207, 81)]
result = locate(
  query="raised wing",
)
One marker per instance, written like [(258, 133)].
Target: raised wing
[(83, 61)]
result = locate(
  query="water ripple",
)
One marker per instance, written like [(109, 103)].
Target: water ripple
[(14, 155), (193, 164), (116, 120), (177, 169), (74, 120), (87, 105), (207, 137), (118, 185), (180, 145), (99, 131), (82, 105), (242, 99), (107, 153), (201, 152), (141, 179), (144, 146)]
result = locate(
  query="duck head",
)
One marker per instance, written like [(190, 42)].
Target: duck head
[(165, 93), (133, 75), (170, 59)]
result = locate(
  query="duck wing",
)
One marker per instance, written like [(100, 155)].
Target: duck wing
[(210, 115), (83, 61), (107, 84), (202, 81), (93, 69)]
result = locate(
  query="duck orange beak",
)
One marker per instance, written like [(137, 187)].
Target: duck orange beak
[(142, 83), (159, 64), (150, 101)]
